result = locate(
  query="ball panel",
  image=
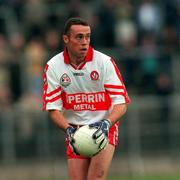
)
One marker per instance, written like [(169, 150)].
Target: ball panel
[(84, 142)]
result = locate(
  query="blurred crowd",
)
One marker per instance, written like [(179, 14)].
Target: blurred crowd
[(144, 36)]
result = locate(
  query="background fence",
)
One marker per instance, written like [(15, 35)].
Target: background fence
[(149, 141)]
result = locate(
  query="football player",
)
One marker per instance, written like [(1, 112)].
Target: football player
[(84, 86)]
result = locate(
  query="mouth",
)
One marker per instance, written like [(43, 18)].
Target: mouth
[(84, 49)]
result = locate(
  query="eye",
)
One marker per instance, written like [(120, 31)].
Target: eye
[(88, 36), (79, 37)]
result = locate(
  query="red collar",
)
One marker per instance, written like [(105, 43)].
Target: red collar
[(88, 57)]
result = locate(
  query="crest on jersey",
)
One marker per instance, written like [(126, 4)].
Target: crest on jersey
[(94, 75), (65, 80)]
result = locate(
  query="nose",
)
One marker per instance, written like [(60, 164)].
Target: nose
[(85, 40)]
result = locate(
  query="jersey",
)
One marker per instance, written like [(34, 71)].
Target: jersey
[(85, 93)]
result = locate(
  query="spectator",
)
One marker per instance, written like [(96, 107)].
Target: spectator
[(17, 44), (149, 17), (105, 18), (149, 63)]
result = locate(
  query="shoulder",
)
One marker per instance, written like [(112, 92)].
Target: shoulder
[(102, 58), (56, 60), (101, 55)]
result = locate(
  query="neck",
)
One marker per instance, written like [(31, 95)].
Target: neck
[(76, 60)]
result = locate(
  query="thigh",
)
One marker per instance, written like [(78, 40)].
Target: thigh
[(78, 169), (100, 164)]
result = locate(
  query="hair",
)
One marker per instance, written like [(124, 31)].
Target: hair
[(74, 21)]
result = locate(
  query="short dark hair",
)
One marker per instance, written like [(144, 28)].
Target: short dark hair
[(74, 21)]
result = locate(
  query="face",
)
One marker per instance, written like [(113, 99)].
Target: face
[(77, 41)]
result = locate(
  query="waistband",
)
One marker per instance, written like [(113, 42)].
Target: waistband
[(76, 126)]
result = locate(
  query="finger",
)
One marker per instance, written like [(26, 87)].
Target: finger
[(75, 151), (73, 148), (73, 140), (97, 134), (100, 138), (93, 125), (74, 130), (103, 143)]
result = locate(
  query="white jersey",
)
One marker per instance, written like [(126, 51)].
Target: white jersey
[(86, 93)]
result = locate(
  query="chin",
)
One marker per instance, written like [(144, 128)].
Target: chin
[(83, 54), (82, 57)]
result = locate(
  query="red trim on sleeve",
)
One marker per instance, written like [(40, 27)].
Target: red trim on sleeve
[(113, 86), (127, 99), (115, 93), (53, 92), (51, 96), (53, 99), (45, 86)]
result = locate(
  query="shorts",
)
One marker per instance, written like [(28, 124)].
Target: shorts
[(113, 139)]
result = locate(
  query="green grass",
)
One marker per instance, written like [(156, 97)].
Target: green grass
[(144, 177), (153, 177)]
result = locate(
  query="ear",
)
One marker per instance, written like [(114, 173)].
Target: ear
[(65, 39)]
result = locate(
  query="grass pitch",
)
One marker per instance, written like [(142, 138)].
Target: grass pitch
[(152, 177), (144, 177)]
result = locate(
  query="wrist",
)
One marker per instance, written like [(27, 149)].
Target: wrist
[(68, 128), (108, 122)]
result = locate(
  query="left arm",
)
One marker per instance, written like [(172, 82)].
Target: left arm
[(116, 89), (114, 85), (117, 112)]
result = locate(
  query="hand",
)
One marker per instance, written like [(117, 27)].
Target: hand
[(70, 134), (101, 135)]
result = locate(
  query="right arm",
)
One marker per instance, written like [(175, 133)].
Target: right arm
[(61, 122), (53, 103), (52, 98)]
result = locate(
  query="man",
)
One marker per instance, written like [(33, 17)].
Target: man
[(84, 86)]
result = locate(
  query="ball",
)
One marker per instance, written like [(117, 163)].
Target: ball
[(84, 142)]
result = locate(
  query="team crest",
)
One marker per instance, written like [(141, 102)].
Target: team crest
[(65, 80), (94, 75)]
